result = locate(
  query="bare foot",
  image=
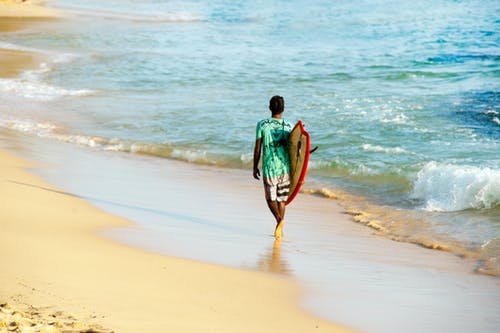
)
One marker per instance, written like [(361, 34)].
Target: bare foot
[(278, 233)]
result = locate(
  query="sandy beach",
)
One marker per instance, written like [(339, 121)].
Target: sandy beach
[(53, 260)]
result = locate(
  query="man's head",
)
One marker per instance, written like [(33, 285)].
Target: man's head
[(277, 105)]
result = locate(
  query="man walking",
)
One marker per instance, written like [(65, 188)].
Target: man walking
[(272, 143)]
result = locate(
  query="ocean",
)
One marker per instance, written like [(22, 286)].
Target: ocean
[(401, 97)]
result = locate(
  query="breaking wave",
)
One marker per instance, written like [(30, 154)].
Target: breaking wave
[(161, 17), (39, 91), (447, 187), (379, 149), (166, 150), (30, 84)]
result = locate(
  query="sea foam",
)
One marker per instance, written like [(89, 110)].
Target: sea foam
[(30, 85), (39, 91), (447, 187), (52, 131), (160, 17), (399, 119), (44, 129), (380, 149)]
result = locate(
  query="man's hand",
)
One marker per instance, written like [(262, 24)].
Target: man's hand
[(256, 173)]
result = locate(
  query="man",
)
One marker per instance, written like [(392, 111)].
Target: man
[(272, 141)]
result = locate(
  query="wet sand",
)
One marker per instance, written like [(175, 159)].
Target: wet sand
[(14, 62)]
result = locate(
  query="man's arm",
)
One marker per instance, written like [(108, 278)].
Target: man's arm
[(256, 158)]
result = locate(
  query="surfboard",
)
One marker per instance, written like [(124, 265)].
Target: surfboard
[(299, 150)]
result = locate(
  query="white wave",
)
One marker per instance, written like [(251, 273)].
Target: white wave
[(496, 120), (399, 119), (164, 17), (246, 158), (62, 58), (30, 83), (380, 149), (55, 57), (30, 88), (49, 130), (10, 46), (421, 130), (362, 170), (44, 129), (319, 164), (82, 140), (446, 187), (493, 112), (189, 155)]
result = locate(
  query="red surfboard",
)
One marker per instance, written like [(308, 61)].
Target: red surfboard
[(299, 150)]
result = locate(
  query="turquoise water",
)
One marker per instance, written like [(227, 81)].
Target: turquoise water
[(401, 97)]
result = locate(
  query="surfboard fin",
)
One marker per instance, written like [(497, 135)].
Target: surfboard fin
[(313, 150)]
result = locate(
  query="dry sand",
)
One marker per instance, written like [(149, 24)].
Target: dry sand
[(59, 274), (26, 9)]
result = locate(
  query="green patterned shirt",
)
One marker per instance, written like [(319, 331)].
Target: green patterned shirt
[(274, 134)]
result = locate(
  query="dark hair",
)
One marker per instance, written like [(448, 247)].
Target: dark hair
[(277, 104)]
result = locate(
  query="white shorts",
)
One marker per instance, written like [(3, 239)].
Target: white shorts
[(277, 188)]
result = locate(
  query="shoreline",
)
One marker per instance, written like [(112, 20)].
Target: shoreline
[(402, 226), (56, 260), (14, 16)]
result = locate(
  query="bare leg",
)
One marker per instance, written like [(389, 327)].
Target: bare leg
[(278, 233), (275, 210), (281, 209), (278, 211)]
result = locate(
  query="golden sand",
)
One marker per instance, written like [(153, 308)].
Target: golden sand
[(52, 258), (26, 9), (29, 319)]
